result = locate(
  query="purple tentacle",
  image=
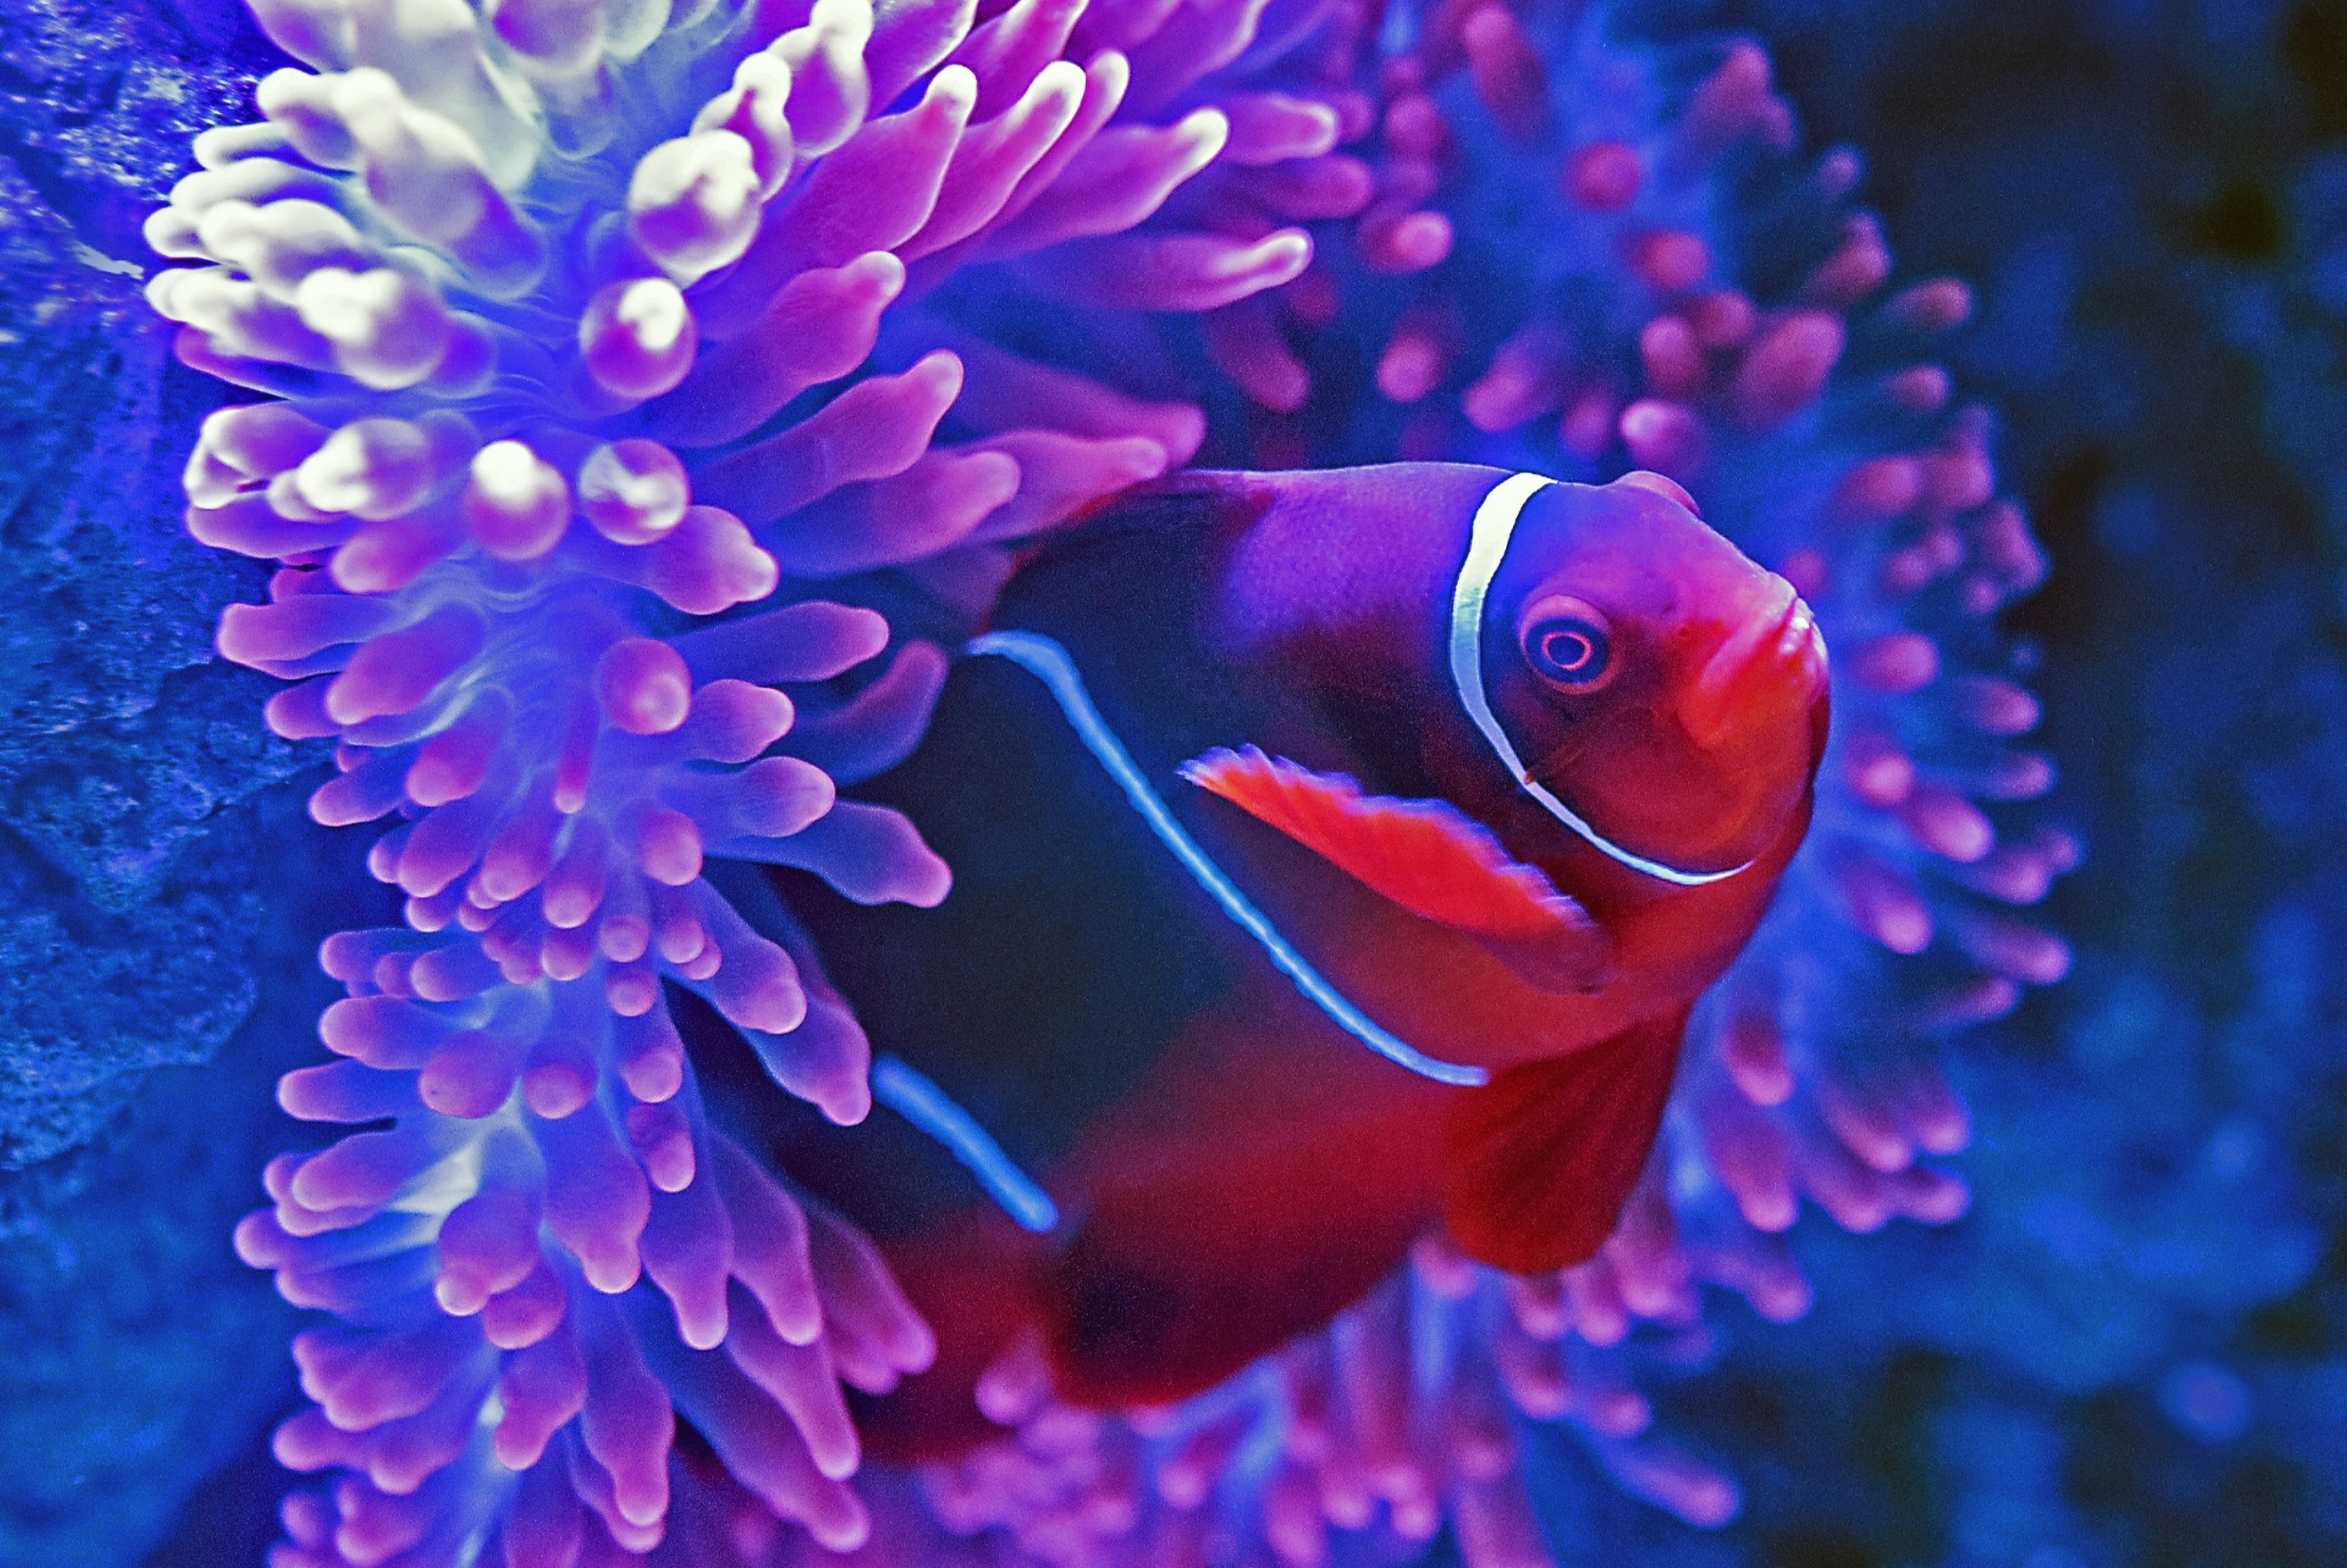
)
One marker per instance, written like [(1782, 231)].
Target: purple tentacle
[(512, 279)]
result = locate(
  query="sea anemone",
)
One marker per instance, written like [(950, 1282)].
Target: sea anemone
[(564, 312), (599, 338)]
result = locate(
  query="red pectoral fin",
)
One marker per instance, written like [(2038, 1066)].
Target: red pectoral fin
[(1539, 1161), (1426, 856)]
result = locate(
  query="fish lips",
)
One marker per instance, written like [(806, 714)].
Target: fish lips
[(1766, 673)]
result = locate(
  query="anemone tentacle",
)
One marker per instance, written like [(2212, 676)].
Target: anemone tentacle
[(561, 317)]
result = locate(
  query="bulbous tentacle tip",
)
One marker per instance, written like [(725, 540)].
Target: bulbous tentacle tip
[(1661, 485)]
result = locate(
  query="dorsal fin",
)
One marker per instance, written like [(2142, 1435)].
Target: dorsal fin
[(1426, 856), (1539, 1161)]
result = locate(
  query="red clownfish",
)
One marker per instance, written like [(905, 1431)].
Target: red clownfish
[(1338, 857)]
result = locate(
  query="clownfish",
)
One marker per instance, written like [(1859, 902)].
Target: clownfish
[(1338, 857)]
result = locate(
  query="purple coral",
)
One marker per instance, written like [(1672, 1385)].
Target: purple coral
[(587, 324), (518, 284)]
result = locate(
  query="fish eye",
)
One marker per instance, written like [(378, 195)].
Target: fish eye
[(1568, 644)]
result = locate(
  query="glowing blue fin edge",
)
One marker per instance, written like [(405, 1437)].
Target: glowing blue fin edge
[(1049, 662), (919, 1100), (1487, 546)]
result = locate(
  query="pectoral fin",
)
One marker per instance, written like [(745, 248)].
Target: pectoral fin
[(1539, 1161), (1426, 856)]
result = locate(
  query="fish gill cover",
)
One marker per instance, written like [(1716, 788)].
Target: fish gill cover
[(600, 352)]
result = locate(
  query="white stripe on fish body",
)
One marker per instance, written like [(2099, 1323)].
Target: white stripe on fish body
[(1049, 662), (913, 1095)]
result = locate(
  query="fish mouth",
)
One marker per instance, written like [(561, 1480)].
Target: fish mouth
[(1767, 673)]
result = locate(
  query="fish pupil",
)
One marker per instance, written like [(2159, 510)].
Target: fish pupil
[(1570, 650)]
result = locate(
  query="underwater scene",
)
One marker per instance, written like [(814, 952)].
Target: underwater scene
[(1173, 784)]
